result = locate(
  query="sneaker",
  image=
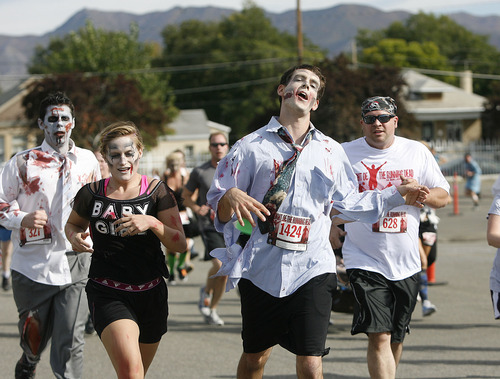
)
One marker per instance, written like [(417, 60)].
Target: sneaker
[(89, 327), (213, 318), (182, 274), (6, 283), (428, 308), (194, 254), (171, 279), (204, 303), (24, 369)]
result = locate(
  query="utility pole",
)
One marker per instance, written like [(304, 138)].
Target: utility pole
[(300, 46)]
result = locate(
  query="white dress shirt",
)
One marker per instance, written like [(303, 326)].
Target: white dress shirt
[(323, 179), (41, 178)]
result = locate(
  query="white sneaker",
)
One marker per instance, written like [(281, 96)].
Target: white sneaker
[(428, 308), (214, 319), (204, 303)]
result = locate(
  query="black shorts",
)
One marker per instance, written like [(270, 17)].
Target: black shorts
[(298, 322), (149, 309), (212, 240), (383, 305)]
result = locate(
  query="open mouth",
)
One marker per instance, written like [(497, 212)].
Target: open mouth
[(302, 95)]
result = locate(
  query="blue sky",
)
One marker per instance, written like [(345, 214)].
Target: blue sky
[(22, 17)]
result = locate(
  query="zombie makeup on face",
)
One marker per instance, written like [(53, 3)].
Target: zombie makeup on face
[(123, 154), (303, 85), (57, 125)]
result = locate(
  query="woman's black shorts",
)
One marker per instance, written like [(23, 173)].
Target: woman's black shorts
[(149, 309)]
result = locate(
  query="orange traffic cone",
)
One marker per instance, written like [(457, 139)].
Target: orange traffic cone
[(431, 273)]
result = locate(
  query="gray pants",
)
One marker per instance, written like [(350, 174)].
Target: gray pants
[(57, 312)]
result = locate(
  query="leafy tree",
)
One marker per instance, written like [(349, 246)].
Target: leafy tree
[(104, 59), (98, 103), (491, 115), (229, 68), (400, 53), (461, 48)]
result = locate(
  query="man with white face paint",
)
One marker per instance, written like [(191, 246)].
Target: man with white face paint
[(284, 179), (37, 187)]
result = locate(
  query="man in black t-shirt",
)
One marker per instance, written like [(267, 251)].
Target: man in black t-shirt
[(201, 179)]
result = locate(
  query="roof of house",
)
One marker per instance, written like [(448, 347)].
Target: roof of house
[(194, 124), (453, 102)]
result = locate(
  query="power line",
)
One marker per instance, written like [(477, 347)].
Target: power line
[(155, 70), (222, 86), (439, 72)]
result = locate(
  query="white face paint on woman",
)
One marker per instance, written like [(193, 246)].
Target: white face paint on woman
[(57, 126), (123, 157)]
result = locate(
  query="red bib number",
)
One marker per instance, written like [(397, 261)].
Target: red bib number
[(290, 232), (394, 224), (35, 236)]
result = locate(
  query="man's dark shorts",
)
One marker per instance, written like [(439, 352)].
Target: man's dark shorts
[(298, 322), (149, 309), (212, 240), (382, 305)]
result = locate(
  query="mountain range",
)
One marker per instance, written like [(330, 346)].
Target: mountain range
[(332, 29)]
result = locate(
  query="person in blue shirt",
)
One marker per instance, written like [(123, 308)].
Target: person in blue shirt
[(473, 176)]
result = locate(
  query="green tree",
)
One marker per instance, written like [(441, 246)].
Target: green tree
[(401, 53), (97, 104), (107, 58), (462, 48), (229, 68)]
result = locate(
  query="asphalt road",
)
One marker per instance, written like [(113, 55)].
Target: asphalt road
[(460, 340)]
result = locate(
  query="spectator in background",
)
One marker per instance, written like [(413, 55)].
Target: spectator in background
[(473, 176), (427, 233), (6, 246), (103, 166), (176, 178), (200, 180)]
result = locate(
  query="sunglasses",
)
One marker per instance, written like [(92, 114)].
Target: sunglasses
[(216, 144), (383, 118)]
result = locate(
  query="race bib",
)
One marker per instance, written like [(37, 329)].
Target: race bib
[(289, 232), (184, 217), (391, 224), (42, 236)]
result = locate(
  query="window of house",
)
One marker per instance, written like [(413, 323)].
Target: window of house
[(454, 129), (428, 130)]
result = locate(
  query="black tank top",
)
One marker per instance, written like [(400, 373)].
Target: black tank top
[(132, 260)]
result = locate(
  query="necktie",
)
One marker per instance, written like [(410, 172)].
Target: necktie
[(279, 189), (67, 194)]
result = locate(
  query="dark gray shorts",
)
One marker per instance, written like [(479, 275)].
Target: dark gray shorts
[(212, 240), (382, 305), (298, 322)]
